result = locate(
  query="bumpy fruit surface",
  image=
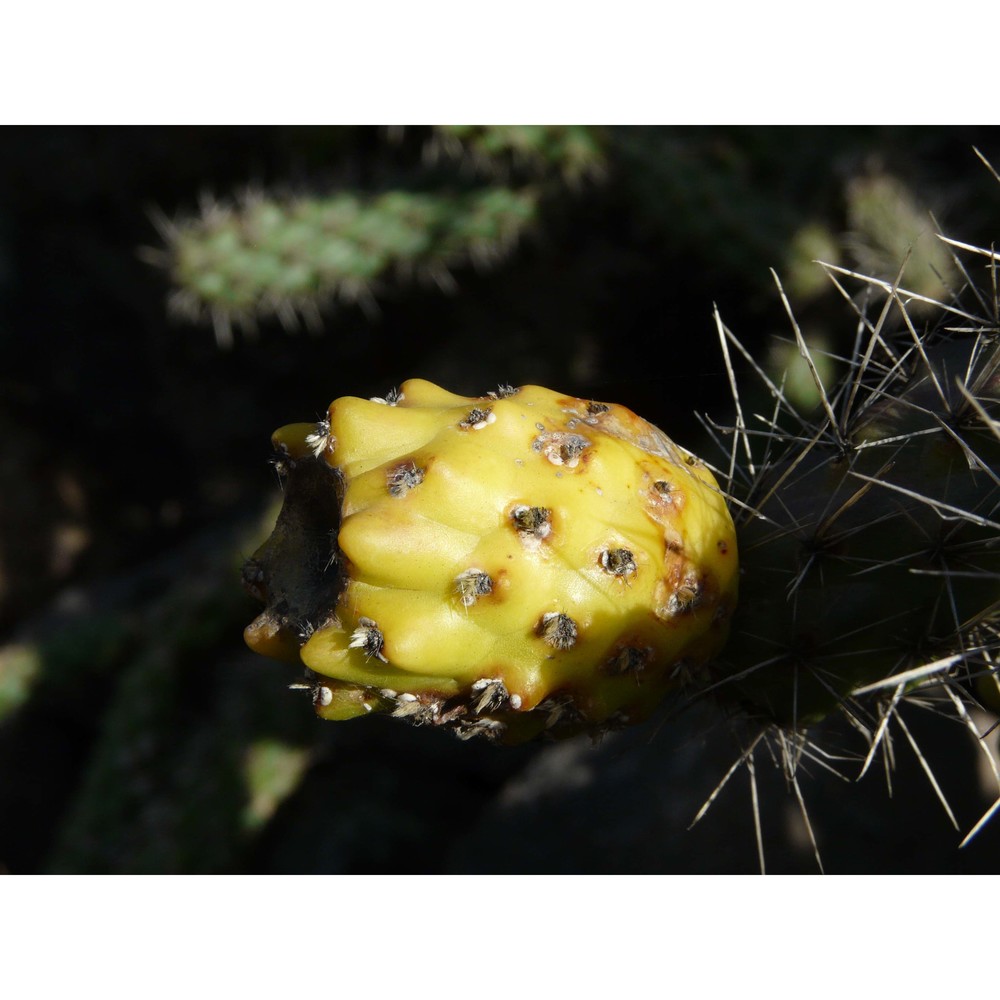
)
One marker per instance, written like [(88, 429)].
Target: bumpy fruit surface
[(518, 563)]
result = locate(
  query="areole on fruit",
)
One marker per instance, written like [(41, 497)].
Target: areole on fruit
[(518, 563)]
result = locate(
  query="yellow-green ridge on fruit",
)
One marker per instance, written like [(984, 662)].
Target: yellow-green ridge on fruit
[(507, 565)]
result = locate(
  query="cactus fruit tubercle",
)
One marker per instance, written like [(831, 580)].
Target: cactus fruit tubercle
[(512, 565)]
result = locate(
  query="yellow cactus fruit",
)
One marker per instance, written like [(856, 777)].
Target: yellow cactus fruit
[(519, 563)]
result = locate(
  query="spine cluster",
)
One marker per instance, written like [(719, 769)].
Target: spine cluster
[(870, 535)]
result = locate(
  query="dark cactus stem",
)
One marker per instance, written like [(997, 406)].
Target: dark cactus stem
[(870, 537)]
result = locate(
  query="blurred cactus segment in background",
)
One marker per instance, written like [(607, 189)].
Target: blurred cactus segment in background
[(887, 226), (574, 152), (20, 666), (263, 256), (288, 258), (272, 771)]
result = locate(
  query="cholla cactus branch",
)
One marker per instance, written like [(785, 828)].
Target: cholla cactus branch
[(573, 152), (901, 485), (287, 258)]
